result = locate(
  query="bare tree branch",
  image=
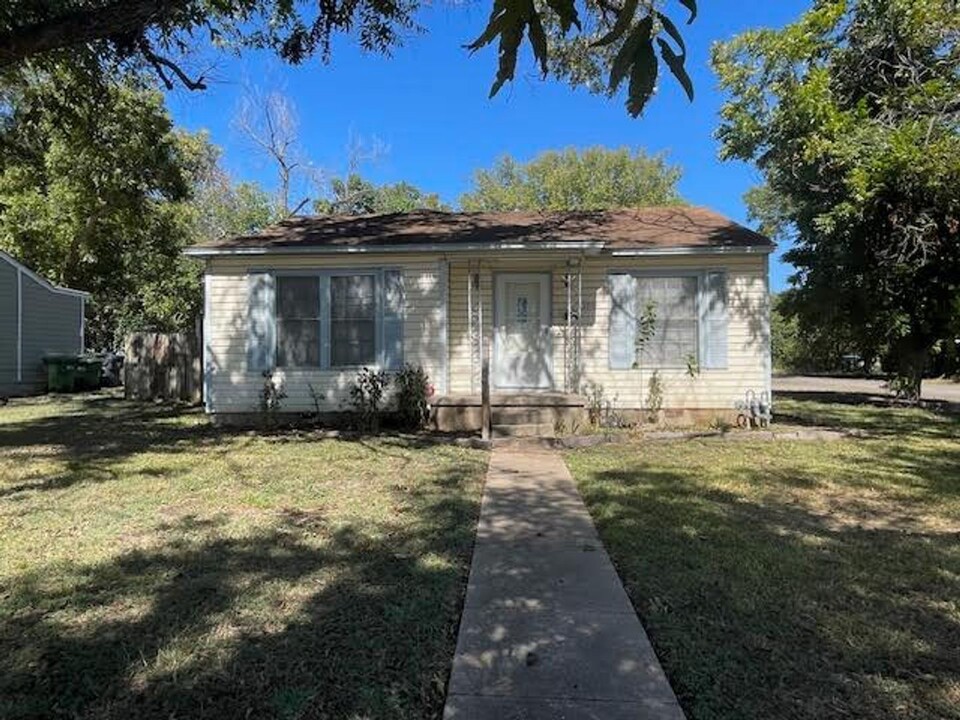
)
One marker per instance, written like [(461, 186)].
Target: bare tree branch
[(269, 122)]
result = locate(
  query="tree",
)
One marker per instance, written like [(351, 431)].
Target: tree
[(809, 347), (107, 202), (102, 35), (86, 203), (269, 122), (571, 179), (851, 115), (356, 196)]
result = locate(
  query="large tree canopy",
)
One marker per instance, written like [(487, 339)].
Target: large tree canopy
[(356, 196), (852, 114), (592, 179), (107, 201), (569, 38)]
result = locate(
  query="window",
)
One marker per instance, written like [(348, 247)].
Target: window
[(331, 320), (673, 302), (353, 320), (298, 321)]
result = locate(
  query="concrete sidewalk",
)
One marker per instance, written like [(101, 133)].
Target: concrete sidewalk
[(547, 629)]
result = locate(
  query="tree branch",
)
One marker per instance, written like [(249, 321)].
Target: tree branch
[(114, 19), (159, 63)]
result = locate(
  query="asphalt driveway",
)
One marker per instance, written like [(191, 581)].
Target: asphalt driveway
[(943, 390)]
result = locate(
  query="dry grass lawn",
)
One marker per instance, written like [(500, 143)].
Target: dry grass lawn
[(794, 579), (152, 566)]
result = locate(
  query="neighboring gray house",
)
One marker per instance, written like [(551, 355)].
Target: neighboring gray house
[(36, 319)]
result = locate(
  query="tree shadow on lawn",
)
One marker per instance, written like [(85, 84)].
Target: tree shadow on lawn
[(297, 620), (763, 609), (95, 432), (862, 411)]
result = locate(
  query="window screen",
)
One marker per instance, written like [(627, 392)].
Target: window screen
[(298, 321), (353, 325), (673, 301)]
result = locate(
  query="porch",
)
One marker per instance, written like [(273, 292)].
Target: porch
[(512, 414)]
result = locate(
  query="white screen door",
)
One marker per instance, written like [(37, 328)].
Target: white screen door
[(522, 338)]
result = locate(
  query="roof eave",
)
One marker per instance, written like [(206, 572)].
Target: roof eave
[(588, 247), (584, 246), (694, 250)]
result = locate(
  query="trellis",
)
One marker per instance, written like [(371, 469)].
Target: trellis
[(573, 330)]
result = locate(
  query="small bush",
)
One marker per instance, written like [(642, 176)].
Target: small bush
[(366, 396), (413, 392), (271, 399), (600, 410), (721, 423), (655, 396)]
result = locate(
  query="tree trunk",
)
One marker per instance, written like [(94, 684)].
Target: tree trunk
[(911, 365)]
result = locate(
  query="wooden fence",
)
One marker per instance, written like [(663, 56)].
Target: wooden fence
[(163, 366)]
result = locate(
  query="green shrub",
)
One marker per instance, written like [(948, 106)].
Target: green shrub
[(366, 396), (413, 391)]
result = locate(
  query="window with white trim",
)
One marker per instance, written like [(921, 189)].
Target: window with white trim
[(672, 302)]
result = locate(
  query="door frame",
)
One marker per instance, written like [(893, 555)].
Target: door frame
[(546, 318)]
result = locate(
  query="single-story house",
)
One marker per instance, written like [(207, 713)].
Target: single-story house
[(37, 318), (552, 298)]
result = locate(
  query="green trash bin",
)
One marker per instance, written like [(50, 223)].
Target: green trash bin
[(88, 373), (61, 372)]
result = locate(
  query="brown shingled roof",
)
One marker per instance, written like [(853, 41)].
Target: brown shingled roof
[(644, 228)]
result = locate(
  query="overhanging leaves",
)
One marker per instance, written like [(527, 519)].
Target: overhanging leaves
[(627, 47)]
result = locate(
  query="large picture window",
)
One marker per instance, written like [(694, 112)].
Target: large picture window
[(328, 320), (298, 321), (672, 301)]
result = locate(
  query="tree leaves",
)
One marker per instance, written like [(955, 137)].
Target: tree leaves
[(509, 20), (635, 58), (103, 35), (591, 179), (850, 116)]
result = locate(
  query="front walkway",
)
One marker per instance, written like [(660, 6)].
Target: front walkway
[(547, 628)]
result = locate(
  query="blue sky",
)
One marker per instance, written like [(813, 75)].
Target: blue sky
[(428, 105)]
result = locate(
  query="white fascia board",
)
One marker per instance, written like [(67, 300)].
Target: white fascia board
[(693, 250), (591, 248), (594, 247)]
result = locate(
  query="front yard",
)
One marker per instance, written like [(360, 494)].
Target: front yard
[(794, 579), (152, 566)]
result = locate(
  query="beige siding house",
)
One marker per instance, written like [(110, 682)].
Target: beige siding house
[(552, 299)]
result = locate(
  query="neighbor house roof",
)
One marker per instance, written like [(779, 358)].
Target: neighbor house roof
[(655, 230), (10, 259)]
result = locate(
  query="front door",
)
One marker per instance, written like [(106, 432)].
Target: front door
[(522, 335)]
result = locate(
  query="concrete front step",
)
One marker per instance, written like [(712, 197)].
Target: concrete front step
[(546, 411), (524, 430), (532, 415)]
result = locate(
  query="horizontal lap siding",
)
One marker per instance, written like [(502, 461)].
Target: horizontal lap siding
[(233, 389), (748, 331), (8, 325), (51, 325)]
